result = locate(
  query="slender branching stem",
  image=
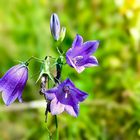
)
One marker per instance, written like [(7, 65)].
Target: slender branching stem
[(33, 58)]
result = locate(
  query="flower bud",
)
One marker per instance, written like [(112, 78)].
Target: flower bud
[(62, 34), (55, 26)]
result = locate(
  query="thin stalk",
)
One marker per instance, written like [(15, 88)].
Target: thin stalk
[(33, 58), (46, 113), (56, 125), (58, 51), (50, 135)]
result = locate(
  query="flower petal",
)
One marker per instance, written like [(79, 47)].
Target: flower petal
[(8, 97), (0, 85), (10, 74), (20, 98), (50, 94), (69, 82), (72, 110), (79, 95), (56, 107), (91, 61), (89, 47), (13, 83), (86, 61), (68, 56), (77, 41), (79, 69)]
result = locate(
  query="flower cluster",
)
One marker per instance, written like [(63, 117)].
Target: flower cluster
[(63, 96)]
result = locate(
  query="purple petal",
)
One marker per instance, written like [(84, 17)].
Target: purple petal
[(69, 82), (9, 73), (56, 107), (0, 85), (20, 98), (86, 61), (50, 94), (91, 61), (12, 76), (66, 99), (13, 83), (11, 92), (89, 47), (79, 69), (68, 57), (80, 95), (77, 41), (9, 99), (72, 110)]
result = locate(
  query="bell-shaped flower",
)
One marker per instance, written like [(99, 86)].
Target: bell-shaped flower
[(65, 97), (79, 56), (13, 83)]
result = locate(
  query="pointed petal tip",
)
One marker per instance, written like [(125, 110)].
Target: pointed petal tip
[(72, 110), (78, 40), (77, 35), (20, 100), (7, 103)]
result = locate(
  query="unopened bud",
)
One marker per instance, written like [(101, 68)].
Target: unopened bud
[(62, 34), (55, 26)]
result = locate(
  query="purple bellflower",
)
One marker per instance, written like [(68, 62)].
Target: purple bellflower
[(13, 83), (65, 97), (55, 26), (79, 56)]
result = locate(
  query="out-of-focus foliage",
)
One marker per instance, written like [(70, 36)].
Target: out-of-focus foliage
[(112, 110)]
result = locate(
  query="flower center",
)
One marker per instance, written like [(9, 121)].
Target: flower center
[(77, 60), (66, 90)]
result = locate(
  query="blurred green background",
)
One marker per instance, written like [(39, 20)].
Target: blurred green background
[(112, 110)]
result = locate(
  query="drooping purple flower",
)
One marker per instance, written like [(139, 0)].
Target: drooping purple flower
[(55, 26), (13, 83), (65, 97), (79, 56)]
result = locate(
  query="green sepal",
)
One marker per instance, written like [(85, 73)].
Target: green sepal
[(45, 69)]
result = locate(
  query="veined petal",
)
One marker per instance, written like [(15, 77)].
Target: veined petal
[(56, 107), (21, 85), (72, 110), (13, 83), (78, 41), (9, 97), (68, 54), (79, 69), (91, 61), (89, 47), (10, 74), (86, 61), (79, 95)]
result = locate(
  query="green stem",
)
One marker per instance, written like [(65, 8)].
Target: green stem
[(46, 112), (33, 58), (56, 125), (50, 135), (58, 51)]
